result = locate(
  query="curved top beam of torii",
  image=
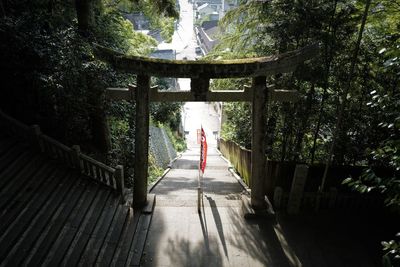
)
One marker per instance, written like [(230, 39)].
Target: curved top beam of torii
[(237, 68)]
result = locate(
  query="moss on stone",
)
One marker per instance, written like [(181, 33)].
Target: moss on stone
[(247, 67)]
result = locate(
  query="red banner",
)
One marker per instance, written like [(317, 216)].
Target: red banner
[(203, 151)]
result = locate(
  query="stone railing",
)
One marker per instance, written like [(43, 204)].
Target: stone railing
[(292, 185), (238, 156), (72, 157)]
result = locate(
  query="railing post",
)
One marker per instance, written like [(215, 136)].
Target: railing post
[(296, 191), (119, 180), (141, 141), (76, 159), (35, 137), (258, 142)]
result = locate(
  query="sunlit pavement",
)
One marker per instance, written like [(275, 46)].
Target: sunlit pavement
[(183, 39), (220, 236), (178, 235), (194, 115), (197, 115)]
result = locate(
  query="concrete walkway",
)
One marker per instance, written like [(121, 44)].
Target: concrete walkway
[(219, 236)]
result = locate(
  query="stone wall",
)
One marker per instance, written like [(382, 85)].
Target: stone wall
[(161, 147)]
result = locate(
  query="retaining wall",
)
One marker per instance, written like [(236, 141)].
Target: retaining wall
[(161, 147)]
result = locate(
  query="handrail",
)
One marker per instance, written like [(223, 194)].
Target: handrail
[(72, 157), (55, 149)]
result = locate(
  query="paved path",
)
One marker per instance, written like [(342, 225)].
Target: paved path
[(219, 236)]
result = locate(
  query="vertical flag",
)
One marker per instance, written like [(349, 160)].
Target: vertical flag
[(203, 151)]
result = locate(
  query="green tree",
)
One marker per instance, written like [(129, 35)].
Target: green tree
[(348, 111), (384, 103), (280, 26), (51, 76), (161, 14)]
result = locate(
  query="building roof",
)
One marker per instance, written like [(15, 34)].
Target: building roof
[(164, 54), (209, 24), (202, 6), (214, 2), (212, 32)]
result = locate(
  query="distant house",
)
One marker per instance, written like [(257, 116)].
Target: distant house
[(218, 6), (206, 10), (141, 24), (156, 34), (166, 54), (211, 27), (139, 20), (207, 35), (228, 5)]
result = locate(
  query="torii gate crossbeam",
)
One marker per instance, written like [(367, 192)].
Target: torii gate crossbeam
[(200, 73)]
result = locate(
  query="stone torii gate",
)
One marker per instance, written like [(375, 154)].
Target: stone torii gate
[(200, 73)]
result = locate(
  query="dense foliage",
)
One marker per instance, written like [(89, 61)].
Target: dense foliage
[(350, 97), (303, 131), (349, 109), (161, 14), (51, 76)]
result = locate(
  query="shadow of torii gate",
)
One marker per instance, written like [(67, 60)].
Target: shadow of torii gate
[(200, 73)]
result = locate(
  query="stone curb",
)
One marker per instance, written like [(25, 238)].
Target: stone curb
[(153, 185)]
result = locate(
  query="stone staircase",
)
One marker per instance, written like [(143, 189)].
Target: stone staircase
[(52, 215)]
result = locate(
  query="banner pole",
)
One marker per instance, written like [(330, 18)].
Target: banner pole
[(198, 192), (198, 178)]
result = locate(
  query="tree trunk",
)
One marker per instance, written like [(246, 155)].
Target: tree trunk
[(317, 128), (50, 7), (342, 107), (86, 11), (285, 132), (84, 15), (271, 129), (284, 144), (98, 122), (328, 61), (304, 122), (3, 10)]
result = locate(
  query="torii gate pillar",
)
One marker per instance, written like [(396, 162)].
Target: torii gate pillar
[(259, 88), (201, 72), (141, 141)]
